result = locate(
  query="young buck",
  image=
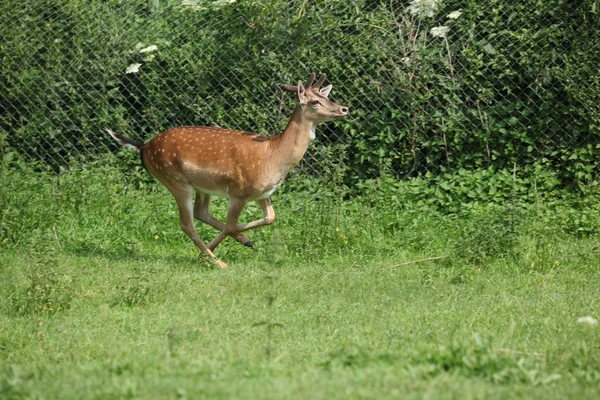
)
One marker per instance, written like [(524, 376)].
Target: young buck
[(239, 165)]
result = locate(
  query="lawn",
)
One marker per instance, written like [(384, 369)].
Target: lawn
[(102, 296)]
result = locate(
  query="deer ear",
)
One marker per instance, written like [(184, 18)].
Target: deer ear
[(325, 91), (301, 92)]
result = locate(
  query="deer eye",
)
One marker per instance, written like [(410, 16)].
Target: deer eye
[(315, 102)]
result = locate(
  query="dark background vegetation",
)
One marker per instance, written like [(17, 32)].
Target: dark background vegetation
[(513, 87)]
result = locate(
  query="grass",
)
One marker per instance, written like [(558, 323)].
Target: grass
[(102, 296)]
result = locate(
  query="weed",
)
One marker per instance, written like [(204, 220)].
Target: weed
[(488, 234), (46, 292), (136, 290), (12, 381), (357, 358), (274, 261), (477, 358), (462, 275)]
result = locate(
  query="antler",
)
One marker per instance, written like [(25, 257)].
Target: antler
[(320, 81), (311, 79), (307, 85), (289, 88)]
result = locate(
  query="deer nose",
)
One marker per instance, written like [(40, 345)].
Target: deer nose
[(344, 110)]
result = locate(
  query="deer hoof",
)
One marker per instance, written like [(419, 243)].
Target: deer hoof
[(248, 243)]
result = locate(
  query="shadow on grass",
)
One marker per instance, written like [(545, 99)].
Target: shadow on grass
[(171, 260)]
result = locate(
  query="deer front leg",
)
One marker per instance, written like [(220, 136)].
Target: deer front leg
[(202, 213), (267, 208), (233, 214)]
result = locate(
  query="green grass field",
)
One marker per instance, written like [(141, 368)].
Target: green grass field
[(102, 296)]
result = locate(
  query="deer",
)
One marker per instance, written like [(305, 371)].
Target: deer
[(242, 166)]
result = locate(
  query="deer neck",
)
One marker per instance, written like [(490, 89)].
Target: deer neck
[(289, 147)]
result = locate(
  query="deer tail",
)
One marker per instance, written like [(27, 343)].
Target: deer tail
[(125, 141)]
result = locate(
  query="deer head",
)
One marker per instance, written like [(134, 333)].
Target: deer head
[(314, 101)]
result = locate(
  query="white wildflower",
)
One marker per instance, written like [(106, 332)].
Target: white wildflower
[(424, 8), (201, 5), (588, 320), (405, 60), (439, 31), (149, 49), (223, 2), (193, 6), (454, 14), (133, 68)]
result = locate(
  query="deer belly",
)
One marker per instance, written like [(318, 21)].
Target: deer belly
[(214, 191)]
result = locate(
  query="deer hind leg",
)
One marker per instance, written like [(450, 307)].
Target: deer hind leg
[(267, 208), (233, 214), (202, 212), (183, 196)]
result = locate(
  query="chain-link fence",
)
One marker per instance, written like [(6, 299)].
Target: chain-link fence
[(432, 85)]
